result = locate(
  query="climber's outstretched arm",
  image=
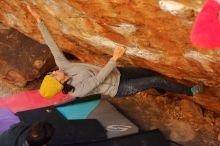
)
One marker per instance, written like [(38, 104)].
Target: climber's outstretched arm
[(58, 55)]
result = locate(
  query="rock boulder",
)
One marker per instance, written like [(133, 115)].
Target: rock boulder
[(155, 33)]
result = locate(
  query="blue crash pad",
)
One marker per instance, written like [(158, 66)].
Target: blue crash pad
[(79, 110)]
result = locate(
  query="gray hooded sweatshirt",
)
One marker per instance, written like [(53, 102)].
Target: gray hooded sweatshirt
[(87, 79)]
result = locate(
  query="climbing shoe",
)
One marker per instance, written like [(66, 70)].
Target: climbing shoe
[(197, 89)]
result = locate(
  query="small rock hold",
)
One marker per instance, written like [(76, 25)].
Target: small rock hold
[(38, 64)]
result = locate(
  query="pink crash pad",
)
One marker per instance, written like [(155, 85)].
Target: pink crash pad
[(206, 29), (31, 100)]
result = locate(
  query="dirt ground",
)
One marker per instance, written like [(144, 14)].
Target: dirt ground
[(179, 119)]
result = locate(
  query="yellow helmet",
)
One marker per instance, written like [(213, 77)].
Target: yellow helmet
[(50, 87)]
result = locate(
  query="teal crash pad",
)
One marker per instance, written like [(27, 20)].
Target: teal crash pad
[(79, 110)]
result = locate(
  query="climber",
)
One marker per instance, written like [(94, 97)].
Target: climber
[(80, 79), (206, 29), (23, 134)]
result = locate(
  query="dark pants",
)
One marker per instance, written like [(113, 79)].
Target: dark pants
[(134, 80)]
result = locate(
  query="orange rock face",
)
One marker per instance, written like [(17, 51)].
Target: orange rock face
[(155, 33), (21, 58)]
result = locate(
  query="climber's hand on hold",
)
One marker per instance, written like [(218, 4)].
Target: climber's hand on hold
[(118, 53), (34, 14)]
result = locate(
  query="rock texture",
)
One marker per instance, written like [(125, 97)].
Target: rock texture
[(21, 58), (190, 109), (155, 33), (172, 116)]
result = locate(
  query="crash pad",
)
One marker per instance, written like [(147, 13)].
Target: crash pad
[(115, 122), (68, 132), (7, 119), (206, 29), (148, 138), (78, 111), (104, 125), (31, 100)]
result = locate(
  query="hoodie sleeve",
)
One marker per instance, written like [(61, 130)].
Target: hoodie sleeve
[(206, 29), (88, 84), (60, 59)]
